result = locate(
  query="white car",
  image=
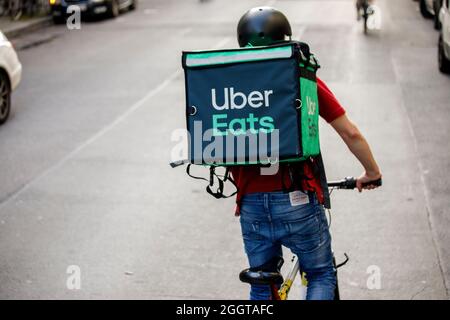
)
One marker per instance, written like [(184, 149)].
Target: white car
[(10, 75), (444, 39)]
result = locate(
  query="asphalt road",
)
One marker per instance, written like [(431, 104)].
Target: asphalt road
[(84, 169)]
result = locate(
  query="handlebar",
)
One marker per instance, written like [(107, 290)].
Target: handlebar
[(350, 183)]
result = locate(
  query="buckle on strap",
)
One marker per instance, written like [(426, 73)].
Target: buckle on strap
[(218, 194)]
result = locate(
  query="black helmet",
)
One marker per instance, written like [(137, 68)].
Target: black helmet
[(262, 26)]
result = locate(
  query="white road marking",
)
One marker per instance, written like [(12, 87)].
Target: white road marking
[(222, 43), (184, 32), (102, 131)]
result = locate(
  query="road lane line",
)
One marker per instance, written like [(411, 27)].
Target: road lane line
[(100, 133), (184, 32), (95, 137), (150, 11), (221, 43)]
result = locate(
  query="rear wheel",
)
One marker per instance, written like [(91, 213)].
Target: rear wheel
[(424, 11), (5, 98), (444, 63)]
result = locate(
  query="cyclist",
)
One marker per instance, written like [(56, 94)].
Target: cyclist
[(287, 208), (360, 4)]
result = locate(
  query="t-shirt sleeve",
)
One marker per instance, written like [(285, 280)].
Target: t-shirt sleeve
[(329, 107)]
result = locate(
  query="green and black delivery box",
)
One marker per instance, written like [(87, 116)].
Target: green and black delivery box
[(251, 105)]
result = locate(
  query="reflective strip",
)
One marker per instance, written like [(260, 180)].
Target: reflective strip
[(225, 57)]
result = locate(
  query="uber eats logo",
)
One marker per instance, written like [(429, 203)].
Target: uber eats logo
[(311, 106), (230, 99)]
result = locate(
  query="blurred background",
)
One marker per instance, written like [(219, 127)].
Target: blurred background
[(88, 110)]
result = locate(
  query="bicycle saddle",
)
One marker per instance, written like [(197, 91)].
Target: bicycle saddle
[(260, 277), (268, 273)]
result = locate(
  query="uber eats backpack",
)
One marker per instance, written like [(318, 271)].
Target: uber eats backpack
[(248, 106)]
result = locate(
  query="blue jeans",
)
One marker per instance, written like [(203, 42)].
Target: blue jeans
[(269, 221)]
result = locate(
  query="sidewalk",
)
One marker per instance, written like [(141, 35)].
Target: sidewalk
[(13, 29)]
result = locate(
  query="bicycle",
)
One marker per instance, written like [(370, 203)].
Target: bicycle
[(280, 287)]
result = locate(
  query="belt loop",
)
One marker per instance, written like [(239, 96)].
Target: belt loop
[(312, 198), (266, 200)]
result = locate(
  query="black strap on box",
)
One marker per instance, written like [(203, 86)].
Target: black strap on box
[(218, 194)]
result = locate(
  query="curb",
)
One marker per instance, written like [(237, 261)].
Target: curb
[(16, 31)]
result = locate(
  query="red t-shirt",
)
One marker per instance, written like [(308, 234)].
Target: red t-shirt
[(248, 178)]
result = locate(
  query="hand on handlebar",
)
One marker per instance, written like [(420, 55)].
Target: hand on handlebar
[(364, 181)]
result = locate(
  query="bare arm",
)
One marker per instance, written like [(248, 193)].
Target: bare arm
[(358, 145)]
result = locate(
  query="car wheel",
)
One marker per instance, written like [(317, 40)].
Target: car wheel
[(444, 63), (437, 8), (114, 9), (424, 11), (58, 20), (437, 23), (5, 98), (133, 5)]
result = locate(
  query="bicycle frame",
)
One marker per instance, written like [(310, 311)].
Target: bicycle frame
[(283, 292)]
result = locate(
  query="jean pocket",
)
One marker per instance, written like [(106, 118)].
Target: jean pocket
[(304, 235), (251, 230)]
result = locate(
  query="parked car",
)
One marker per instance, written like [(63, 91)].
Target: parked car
[(90, 8), (10, 75), (444, 38), (427, 8)]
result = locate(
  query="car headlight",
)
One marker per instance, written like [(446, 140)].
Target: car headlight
[(54, 2), (97, 1)]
